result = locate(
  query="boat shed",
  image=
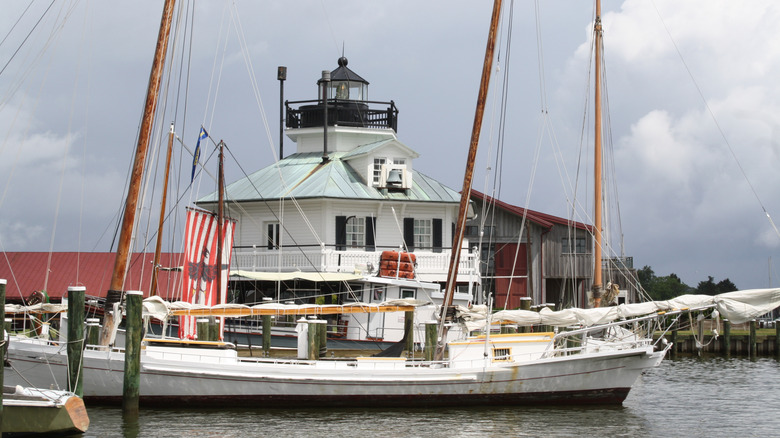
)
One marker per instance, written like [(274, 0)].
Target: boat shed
[(27, 272), (550, 263)]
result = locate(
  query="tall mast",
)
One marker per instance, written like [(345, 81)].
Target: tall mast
[(597, 225), (158, 248), (126, 233), (465, 194), (220, 218)]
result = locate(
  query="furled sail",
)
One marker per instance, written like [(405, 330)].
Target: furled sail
[(201, 264), (737, 307)]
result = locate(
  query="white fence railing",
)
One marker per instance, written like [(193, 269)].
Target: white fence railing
[(429, 264)]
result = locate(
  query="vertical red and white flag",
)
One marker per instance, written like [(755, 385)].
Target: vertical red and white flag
[(200, 265)]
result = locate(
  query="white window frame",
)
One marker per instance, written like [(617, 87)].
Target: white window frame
[(423, 233), (356, 232), (377, 174)]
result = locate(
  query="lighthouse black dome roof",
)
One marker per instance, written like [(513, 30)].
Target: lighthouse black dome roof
[(342, 73)]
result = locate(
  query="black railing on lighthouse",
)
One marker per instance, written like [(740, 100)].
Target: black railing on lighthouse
[(354, 113)]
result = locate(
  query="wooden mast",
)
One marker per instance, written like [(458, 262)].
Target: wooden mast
[(597, 201), (158, 248), (115, 291), (220, 218), (465, 194)]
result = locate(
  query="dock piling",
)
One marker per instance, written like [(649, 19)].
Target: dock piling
[(75, 348), (132, 377)]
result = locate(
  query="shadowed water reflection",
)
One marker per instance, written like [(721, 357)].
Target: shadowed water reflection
[(690, 397)]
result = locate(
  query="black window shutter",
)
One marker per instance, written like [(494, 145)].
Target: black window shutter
[(370, 227), (270, 236), (409, 233), (341, 233), (437, 235), (453, 233)]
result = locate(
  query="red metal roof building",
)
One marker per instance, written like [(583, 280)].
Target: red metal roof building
[(551, 262), (26, 272)]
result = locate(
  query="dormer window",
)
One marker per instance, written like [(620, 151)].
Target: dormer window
[(393, 172), (378, 162)]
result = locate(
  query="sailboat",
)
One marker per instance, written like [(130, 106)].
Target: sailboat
[(594, 355)]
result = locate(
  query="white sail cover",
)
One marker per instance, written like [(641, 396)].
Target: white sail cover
[(737, 307), (160, 309)]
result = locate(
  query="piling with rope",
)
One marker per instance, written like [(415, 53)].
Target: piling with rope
[(75, 348)]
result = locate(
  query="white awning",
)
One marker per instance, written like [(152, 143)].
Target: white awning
[(298, 275)]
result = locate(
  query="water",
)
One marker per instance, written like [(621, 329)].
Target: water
[(686, 397)]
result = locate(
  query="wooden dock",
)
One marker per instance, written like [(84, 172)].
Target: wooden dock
[(742, 340)]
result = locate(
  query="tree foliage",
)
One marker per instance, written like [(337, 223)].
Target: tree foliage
[(670, 286)]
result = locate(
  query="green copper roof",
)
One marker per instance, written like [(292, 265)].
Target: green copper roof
[(305, 176)]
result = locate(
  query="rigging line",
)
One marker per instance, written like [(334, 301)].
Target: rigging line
[(84, 158), (17, 22), (330, 28), (540, 58), (21, 143), (715, 120), (300, 248), (28, 34), (490, 204), (250, 69)]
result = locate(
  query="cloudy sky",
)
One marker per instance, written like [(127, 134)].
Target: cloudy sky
[(692, 89)]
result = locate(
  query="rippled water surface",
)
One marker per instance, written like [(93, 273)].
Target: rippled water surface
[(686, 397)]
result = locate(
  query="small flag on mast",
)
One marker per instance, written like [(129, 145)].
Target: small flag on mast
[(196, 156)]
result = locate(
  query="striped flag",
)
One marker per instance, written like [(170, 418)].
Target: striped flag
[(196, 156), (200, 265)]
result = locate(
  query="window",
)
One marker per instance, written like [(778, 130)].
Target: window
[(502, 354), (272, 235), (422, 233), (378, 162), (356, 231), (408, 293), (399, 161), (574, 245)]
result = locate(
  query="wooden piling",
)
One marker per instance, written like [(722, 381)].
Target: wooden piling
[(752, 345), (700, 334), (132, 378), (431, 334), (93, 331), (267, 335), (409, 331), (3, 347), (322, 337), (75, 348), (727, 337), (314, 342), (525, 304), (777, 338), (204, 329)]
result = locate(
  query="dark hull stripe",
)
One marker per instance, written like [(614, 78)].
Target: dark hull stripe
[(590, 397)]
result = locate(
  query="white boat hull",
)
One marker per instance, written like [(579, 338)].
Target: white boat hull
[(205, 377)]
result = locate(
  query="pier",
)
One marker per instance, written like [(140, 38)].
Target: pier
[(749, 339)]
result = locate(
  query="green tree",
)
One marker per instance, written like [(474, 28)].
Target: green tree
[(726, 286), (707, 287), (645, 276), (664, 288)]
